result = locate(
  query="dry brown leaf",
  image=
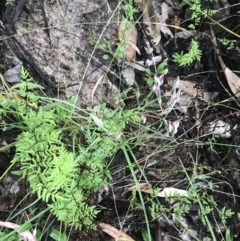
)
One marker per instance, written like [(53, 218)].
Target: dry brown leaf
[(115, 233), (143, 187), (189, 87), (135, 47), (166, 192), (127, 34)]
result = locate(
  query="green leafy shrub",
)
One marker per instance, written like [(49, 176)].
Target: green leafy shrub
[(52, 170), (64, 177)]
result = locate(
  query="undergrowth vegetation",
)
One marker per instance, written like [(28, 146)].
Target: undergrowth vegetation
[(64, 175), (65, 152)]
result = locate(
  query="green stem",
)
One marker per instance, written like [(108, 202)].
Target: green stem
[(130, 165)]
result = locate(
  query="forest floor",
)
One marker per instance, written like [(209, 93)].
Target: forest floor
[(70, 48)]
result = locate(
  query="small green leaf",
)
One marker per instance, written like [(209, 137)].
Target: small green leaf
[(148, 71), (145, 235), (17, 173), (105, 56), (23, 228), (103, 47), (162, 68), (58, 236)]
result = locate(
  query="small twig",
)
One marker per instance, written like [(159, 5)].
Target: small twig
[(95, 86), (214, 40)]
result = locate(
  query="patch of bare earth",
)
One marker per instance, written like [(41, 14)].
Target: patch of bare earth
[(62, 49)]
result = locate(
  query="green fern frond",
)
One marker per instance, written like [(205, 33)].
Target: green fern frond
[(186, 59), (27, 86), (63, 179)]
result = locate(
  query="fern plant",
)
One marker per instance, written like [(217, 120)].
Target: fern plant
[(53, 171), (229, 44), (26, 88), (194, 52), (185, 59), (64, 178), (198, 12), (60, 178)]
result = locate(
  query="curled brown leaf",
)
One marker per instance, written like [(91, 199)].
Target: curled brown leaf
[(115, 233)]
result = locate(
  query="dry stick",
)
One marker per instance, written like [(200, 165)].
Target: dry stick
[(95, 87), (223, 66)]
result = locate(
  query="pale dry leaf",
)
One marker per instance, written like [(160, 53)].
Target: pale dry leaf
[(14, 60), (4, 143), (15, 188), (143, 118), (171, 192), (115, 233), (103, 190), (185, 34), (97, 121), (166, 237), (166, 192), (26, 236), (226, 6), (136, 65), (142, 186), (127, 34), (13, 75), (233, 81), (154, 60), (187, 234), (166, 10), (129, 75), (138, 1), (183, 103), (189, 87)]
